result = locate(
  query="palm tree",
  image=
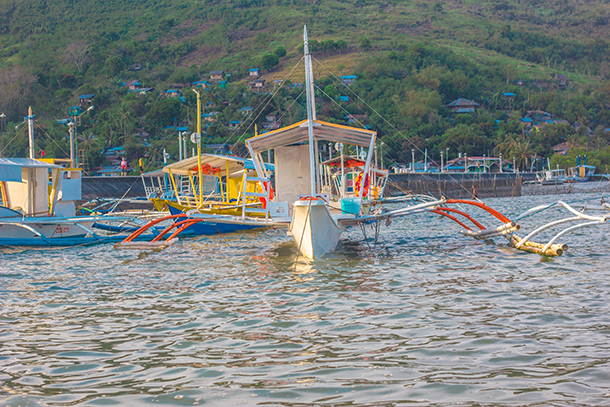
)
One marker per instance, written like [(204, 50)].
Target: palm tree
[(521, 150)]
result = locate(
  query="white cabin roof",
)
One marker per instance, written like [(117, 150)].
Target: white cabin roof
[(299, 132), (10, 168), (27, 163)]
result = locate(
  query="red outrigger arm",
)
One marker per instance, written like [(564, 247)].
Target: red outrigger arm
[(149, 225), (486, 208)]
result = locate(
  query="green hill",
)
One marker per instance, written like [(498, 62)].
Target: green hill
[(411, 58)]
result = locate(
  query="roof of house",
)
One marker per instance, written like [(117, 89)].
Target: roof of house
[(561, 146), (87, 96), (254, 70), (348, 77), (461, 102), (217, 73)]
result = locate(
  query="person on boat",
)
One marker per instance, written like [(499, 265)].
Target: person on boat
[(123, 167), (141, 164)]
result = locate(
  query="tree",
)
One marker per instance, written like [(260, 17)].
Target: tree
[(78, 52), (365, 43), (280, 52), (269, 61), (15, 84)]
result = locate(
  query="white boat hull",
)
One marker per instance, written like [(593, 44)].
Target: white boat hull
[(313, 228)]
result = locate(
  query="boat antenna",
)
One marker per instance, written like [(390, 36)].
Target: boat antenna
[(310, 112)]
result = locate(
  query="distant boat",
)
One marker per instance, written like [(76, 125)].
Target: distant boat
[(551, 177), (580, 173)]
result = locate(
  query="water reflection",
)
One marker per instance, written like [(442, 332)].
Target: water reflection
[(424, 317)]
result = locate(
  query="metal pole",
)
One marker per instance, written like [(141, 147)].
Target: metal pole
[(199, 169), (412, 160), (71, 131), (308, 88), (426, 160), (180, 144), (30, 119), (442, 167)]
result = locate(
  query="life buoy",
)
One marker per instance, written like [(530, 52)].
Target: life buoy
[(367, 181), (262, 187)]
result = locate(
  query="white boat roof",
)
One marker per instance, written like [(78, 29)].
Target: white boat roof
[(215, 161), (27, 163), (10, 168), (299, 132)]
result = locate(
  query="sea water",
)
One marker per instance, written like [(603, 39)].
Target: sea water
[(424, 316)]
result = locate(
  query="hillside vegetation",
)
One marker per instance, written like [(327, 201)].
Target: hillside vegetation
[(411, 59)]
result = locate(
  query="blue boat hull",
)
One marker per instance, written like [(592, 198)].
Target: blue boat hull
[(211, 228)]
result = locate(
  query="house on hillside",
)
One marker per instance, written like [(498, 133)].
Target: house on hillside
[(209, 116), (271, 122), (86, 99), (583, 129), (217, 75), (135, 67), (462, 105), (234, 124), (245, 110), (561, 149), (223, 148), (343, 98), (173, 93), (355, 118), (133, 85), (561, 81), (254, 73), (348, 79), (257, 85), (201, 84)]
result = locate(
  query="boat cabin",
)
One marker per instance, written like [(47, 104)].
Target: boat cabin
[(298, 171), (33, 188)]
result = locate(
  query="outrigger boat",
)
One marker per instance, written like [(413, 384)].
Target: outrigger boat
[(226, 189), (315, 214), (299, 204), (37, 206)]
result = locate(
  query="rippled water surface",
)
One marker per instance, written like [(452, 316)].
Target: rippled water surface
[(424, 317)]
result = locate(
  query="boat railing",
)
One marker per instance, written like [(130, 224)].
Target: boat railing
[(264, 185)]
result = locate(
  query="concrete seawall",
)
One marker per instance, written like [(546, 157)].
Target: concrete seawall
[(457, 185), (112, 187)]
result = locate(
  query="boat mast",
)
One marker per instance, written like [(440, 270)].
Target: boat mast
[(310, 112), (30, 120)]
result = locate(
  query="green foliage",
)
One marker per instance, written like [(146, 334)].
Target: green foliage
[(49, 56), (269, 61), (365, 43), (280, 52)]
